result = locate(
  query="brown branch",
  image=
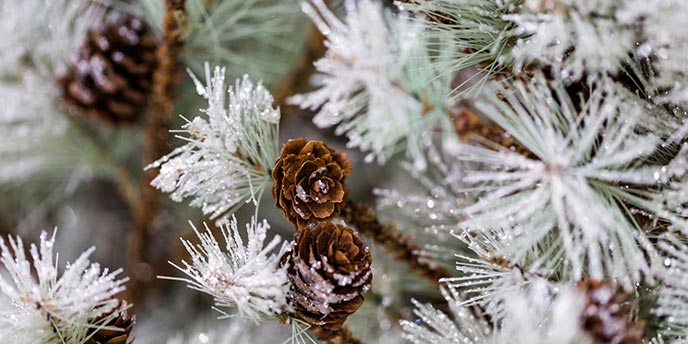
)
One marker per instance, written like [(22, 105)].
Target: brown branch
[(155, 143), (342, 336), (468, 124), (129, 192), (402, 246)]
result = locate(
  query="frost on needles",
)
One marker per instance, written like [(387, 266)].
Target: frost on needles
[(371, 85), (585, 163), (229, 150), (40, 305), (242, 276)]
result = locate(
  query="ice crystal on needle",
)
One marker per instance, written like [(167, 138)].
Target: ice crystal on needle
[(229, 152), (673, 295), (542, 313), (464, 328), (478, 31), (245, 276), (488, 274), (37, 305), (368, 81), (574, 37), (584, 165), (665, 41)]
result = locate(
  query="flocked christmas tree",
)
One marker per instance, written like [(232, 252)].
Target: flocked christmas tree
[(344, 171)]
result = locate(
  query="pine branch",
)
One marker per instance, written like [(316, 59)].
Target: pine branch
[(165, 80), (363, 217), (402, 246)]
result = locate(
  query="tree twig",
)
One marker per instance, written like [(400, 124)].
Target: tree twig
[(402, 246), (155, 143)]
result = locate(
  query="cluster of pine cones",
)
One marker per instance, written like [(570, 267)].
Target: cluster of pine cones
[(328, 265), (110, 78)]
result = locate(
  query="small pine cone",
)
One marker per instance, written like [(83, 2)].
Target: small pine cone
[(329, 269), (309, 181), (111, 75), (605, 316), (123, 322)]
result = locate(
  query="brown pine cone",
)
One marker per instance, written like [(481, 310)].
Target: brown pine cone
[(309, 181), (123, 322), (111, 75), (605, 316), (329, 269)]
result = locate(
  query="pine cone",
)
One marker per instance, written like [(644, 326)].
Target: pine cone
[(329, 268), (111, 75), (606, 317), (309, 181), (123, 322)]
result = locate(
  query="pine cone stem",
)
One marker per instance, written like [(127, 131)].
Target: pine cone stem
[(342, 336), (402, 246), (155, 144)]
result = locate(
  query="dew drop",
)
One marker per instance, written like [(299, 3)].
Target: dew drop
[(667, 262)]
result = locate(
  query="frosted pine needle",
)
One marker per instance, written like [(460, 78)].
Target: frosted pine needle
[(542, 313), (244, 276), (574, 37), (665, 42), (38, 305), (673, 295), (433, 210), (586, 164), (491, 272), (230, 150), (369, 78), (256, 37), (41, 34), (478, 31), (438, 328)]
